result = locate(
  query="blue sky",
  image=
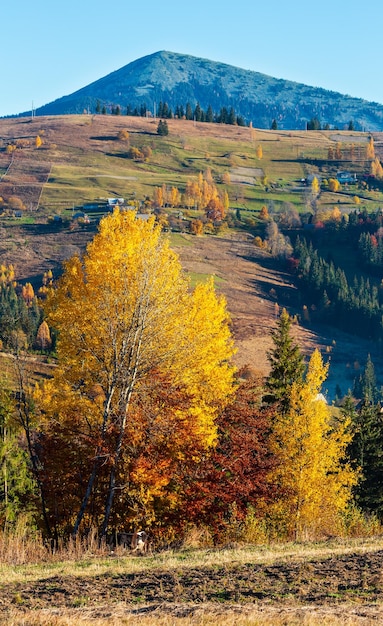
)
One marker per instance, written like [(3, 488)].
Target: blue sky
[(52, 49)]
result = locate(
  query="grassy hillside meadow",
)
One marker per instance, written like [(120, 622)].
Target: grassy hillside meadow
[(88, 162)]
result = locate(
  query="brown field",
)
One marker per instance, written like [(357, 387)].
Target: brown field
[(337, 583)]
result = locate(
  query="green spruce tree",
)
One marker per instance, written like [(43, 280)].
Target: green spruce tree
[(162, 128), (366, 447), (287, 364)]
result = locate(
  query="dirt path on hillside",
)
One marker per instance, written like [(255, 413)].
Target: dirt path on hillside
[(346, 586)]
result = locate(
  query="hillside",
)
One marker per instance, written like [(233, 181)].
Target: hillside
[(178, 79), (82, 161)]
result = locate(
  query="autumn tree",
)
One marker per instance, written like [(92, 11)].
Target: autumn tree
[(28, 293), (196, 227), (315, 186), (226, 202), (278, 244), (313, 470), (174, 197), (158, 197), (338, 151), (376, 168), (370, 149), (43, 337), (38, 141), (125, 316), (123, 135), (259, 152), (219, 491), (16, 203), (334, 184), (215, 209), (226, 178)]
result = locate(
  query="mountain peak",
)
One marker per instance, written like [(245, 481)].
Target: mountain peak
[(178, 79)]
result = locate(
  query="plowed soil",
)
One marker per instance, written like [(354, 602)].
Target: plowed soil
[(347, 587)]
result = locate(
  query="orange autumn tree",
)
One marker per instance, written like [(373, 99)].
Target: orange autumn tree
[(126, 317)]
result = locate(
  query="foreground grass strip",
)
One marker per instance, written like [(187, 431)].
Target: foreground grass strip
[(205, 615)]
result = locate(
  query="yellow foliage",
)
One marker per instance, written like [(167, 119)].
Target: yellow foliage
[(123, 135), (333, 184), (196, 227), (376, 168), (316, 480), (370, 150), (336, 214), (315, 186), (125, 316)]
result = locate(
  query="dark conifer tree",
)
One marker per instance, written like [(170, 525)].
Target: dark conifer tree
[(366, 447), (365, 386), (162, 128), (287, 364), (223, 116), (189, 111), (197, 113), (231, 118)]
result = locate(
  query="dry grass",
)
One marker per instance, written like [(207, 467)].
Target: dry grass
[(28, 559), (205, 616)]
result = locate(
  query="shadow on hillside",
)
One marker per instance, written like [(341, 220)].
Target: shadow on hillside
[(105, 138)]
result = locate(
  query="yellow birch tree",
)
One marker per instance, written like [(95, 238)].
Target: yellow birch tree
[(125, 315), (313, 472), (370, 150), (315, 186)]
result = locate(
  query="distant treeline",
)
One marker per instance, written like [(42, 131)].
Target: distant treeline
[(225, 115)]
